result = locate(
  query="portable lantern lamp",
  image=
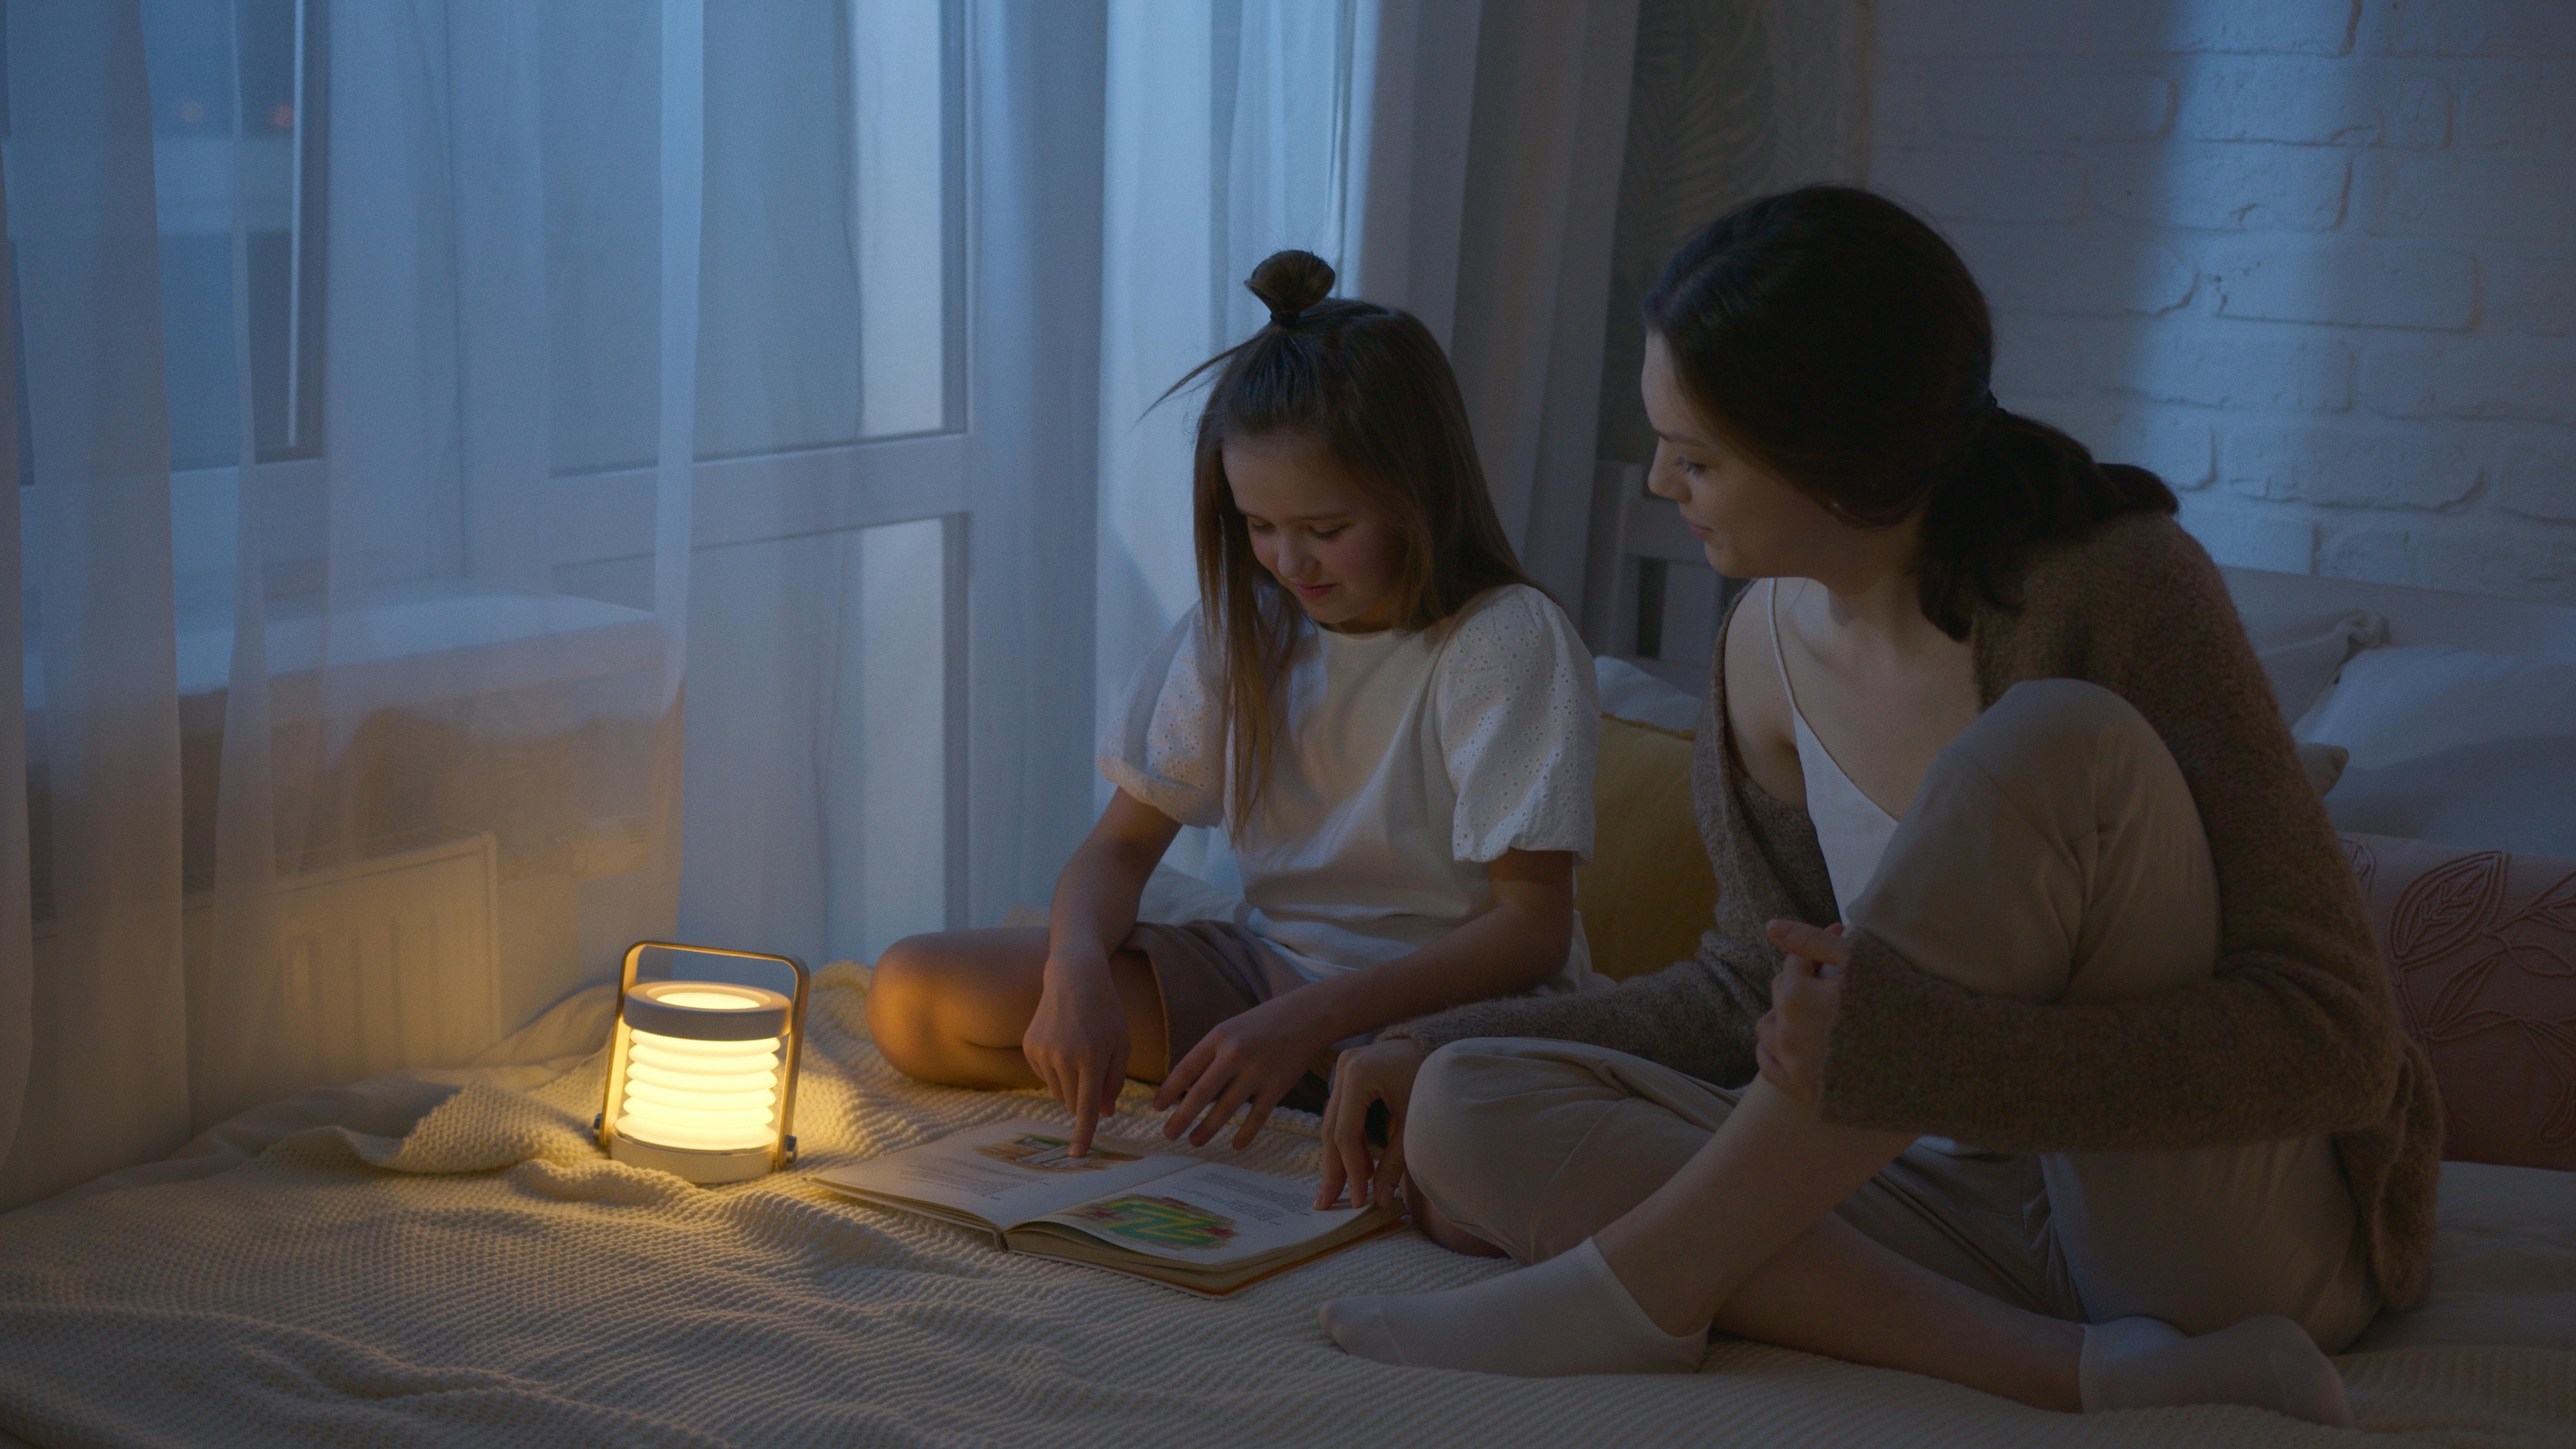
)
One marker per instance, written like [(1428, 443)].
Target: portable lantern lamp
[(702, 1074)]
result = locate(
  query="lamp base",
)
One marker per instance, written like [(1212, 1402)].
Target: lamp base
[(706, 1169)]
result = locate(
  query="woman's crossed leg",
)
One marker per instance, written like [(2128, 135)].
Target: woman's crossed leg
[(1752, 1230)]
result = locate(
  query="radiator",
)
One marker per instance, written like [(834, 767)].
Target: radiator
[(388, 961)]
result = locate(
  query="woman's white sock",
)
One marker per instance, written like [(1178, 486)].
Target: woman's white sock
[(1568, 1315), (2269, 1362)]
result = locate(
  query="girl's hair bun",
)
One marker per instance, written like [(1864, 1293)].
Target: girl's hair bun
[(1290, 282)]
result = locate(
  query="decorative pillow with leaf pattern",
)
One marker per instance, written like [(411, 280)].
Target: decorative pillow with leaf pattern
[(2482, 947)]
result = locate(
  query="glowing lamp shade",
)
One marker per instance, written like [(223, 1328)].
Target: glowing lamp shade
[(702, 1074)]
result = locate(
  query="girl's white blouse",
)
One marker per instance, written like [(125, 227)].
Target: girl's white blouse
[(1409, 761)]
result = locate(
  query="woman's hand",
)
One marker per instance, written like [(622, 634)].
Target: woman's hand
[(1077, 1043), (1379, 1072), (1789, 1041), (1254, 1057)]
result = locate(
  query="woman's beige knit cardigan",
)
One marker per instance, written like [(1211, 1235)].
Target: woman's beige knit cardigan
[(2297, 1033)]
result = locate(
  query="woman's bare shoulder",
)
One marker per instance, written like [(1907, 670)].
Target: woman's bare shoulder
[(1752, 705)]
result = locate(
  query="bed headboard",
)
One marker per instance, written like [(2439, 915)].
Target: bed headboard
[(1652, 599)]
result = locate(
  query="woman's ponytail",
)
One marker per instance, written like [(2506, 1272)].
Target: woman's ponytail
[(2017, 483)]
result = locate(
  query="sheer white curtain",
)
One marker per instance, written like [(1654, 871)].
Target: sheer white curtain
[(342, 758), (820, 777), (105, 1071), (17, 924), (1485, 187), (418, 388), (1539, 212)]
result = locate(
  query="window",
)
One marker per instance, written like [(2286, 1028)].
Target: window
[(270, 72), (196, 84), (831, 314)]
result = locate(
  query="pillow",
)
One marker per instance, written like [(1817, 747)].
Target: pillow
[(2301, 652), (1630, 693), (2481, 947), (2453, 746), (2510, 795), (2418, 700), (1648, 892)]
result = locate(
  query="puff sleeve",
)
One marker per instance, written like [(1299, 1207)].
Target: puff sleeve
[(1165, 743), (1520, 727)]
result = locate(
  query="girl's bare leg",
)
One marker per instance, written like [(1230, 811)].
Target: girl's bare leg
[(950, 1007)]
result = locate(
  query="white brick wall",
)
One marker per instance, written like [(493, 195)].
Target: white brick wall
[(2314, 261)]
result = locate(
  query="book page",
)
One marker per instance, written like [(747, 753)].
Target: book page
[(1005, 1173), (1209, 1215)]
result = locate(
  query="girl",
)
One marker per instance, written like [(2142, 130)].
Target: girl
[(1991, 714), (1394, 724)]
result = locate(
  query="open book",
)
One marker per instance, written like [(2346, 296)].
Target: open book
[(1200, 1225)]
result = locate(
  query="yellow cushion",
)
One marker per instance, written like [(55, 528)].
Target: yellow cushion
[(1648, 892)]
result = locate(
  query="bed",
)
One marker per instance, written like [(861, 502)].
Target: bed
[(443, 1257)]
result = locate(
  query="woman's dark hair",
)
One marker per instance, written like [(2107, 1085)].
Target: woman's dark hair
[(1837, 341), (1370, 387)]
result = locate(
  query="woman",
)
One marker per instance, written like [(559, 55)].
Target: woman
[(1989, 713)]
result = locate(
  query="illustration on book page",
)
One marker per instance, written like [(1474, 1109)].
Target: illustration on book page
[(1164, 1222), (1043, 1153)]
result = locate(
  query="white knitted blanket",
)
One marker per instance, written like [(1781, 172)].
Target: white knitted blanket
[(414, 1262)]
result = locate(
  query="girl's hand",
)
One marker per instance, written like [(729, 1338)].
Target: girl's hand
[(1077, 1043), (1254, 1057), (1789, 1041), (1379, 1072)]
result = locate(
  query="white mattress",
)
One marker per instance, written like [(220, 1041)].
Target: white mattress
[(444, 1258)]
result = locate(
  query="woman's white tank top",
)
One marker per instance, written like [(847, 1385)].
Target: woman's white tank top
[(1850, 826)]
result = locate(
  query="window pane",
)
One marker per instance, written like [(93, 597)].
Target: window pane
[(898, 215), (190, 56), (599, 94), (815, 778), (832, 234)]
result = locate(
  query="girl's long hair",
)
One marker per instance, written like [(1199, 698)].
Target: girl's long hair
[(1369, 387), (1839, 342)]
